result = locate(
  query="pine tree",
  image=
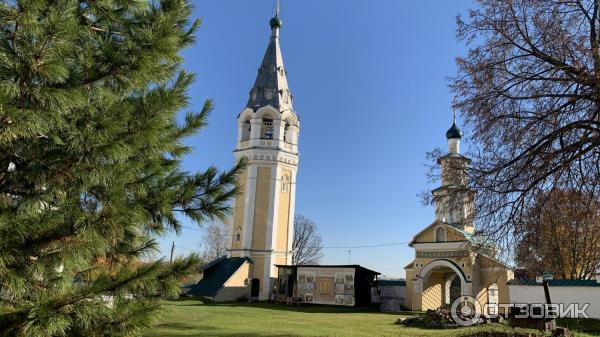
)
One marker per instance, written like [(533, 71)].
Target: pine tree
[(90, 152)]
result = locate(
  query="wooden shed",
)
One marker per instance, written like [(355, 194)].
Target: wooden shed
[(347, 285)]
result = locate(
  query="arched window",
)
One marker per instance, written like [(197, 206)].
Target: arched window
[(287, 133), (285, 184), (238, 235), (246, 128), (267, 129), (440, 234)]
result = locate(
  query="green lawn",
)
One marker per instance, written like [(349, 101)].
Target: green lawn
[(194, 318)]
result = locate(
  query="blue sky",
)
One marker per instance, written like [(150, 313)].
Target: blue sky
[(370, 85)]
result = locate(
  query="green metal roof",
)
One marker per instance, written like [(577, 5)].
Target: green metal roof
[(478, 239), (555, 283), (215, 276)]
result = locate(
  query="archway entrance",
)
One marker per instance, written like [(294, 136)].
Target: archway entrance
[(254, 287), (440, 283)]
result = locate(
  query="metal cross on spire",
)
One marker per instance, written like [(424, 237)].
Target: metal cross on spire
[(453, 116), (277, 8)]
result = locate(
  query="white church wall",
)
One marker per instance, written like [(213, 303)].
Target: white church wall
[(524, 294)]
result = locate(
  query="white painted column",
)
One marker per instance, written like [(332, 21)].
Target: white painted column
[(290, 239), (278, 129), (271, 239), (269, 276), (240, 131), (249, 199), (295, 135), (255, 129)]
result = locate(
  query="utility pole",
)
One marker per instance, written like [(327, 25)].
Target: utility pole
[(172, 250), (349, 251), (550, 322)]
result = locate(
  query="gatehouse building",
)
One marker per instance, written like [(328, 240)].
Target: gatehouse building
[(451, 258)]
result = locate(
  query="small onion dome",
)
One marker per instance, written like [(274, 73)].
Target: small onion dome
[(276, 22), (454, 132)]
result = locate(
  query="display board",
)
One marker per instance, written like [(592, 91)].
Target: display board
[(326, 285)]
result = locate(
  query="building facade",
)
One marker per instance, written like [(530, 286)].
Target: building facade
[(267, 140), (451, 260), (345, 285)]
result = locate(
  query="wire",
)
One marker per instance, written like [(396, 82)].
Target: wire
[(192, 228), (199, 230), (193, 250), (368, 246)]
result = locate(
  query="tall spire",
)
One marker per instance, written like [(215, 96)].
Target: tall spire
[(271, 86)]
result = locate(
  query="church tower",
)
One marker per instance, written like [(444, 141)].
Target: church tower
[(453, 200), (451, 259), (267, 139)]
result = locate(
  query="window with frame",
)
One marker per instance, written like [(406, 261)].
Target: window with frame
[(440, 234)]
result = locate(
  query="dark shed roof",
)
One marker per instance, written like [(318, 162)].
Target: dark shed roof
[(354, 266), (215, 275)]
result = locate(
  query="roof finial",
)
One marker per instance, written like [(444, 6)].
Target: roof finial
[(276, 21), (454, 132)]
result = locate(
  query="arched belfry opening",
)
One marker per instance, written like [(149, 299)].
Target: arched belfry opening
[(267, 130), (287, 137), (246, 130)]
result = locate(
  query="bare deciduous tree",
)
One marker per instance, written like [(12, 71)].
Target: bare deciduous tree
[(529, 89), (307, 244), (214, 241)]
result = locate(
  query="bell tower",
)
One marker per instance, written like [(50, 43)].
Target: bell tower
[(267, 139), (453, 200)]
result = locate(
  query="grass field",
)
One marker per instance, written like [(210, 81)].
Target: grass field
[(194, 318)]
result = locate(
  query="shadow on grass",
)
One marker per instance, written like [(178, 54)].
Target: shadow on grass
[(585, 325), (183, 329), (245, 334), (303, 308), (180, 326), (176, 326)]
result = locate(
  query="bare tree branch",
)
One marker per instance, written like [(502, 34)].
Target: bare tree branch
[(529, 90), (308, 244)]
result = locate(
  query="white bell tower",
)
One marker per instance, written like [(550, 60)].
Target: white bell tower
[(268, 129)]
